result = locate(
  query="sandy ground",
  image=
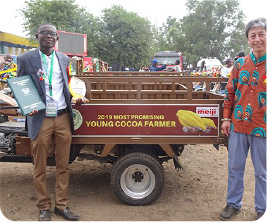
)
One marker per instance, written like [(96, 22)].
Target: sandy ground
[(196, 194)]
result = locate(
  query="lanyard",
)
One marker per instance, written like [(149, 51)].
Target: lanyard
[(51, 71)]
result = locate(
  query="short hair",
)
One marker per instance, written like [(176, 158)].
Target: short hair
[(240, 54), (46, 24), (227, 61), (259, 22)]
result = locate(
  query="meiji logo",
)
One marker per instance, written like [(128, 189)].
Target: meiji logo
[(207, 111)]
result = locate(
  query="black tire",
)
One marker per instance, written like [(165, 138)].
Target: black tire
[(137, 178)]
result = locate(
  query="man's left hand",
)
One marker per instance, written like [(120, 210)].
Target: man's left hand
[(80, 101)]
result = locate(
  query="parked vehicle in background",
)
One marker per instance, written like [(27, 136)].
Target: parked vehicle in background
[(208, 67), (208, 64), (169, 58)]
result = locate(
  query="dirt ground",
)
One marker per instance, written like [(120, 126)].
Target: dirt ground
[(196, 194)]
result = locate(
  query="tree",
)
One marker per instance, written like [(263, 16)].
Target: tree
[(171, 37), (210, 29), (65, 15), (125, 38), (118, 37)]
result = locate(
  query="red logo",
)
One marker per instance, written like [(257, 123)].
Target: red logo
[(207, 111)]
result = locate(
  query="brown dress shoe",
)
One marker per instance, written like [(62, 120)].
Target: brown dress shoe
[(228, 212), (66, 214), (44, 215)]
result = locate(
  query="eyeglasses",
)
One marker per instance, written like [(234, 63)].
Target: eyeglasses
[(46, 33)]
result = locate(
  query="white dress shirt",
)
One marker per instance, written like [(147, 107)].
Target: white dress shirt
[(57, 82)]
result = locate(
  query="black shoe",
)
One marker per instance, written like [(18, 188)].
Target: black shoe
[(259, 215), (44, 215), (228, 212), (66, 214)]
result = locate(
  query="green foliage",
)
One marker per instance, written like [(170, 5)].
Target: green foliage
[(171, 37), (210, 29), (119, 37), (213, 29), (65, 15), (125, 38)]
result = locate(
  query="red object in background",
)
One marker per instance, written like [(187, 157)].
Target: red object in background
[(87, 64)]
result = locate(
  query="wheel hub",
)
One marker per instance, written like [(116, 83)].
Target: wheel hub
[(138, 177), (137, 181)]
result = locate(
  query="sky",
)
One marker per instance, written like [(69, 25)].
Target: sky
[(155, 11)]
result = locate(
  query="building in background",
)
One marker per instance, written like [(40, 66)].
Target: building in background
[(14, 44)]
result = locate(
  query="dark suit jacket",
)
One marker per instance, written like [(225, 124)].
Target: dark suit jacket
[(28, 64)]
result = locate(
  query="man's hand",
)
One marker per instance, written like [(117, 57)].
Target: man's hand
[(226, 128), (33, 112), (80, 101)]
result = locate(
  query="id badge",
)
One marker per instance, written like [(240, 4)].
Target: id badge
[(51, 109)]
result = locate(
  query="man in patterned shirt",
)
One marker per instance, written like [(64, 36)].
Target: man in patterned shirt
[(244, 121)]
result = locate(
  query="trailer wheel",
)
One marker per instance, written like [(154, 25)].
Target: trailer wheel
[(137, 178)]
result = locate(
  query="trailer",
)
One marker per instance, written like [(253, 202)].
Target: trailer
[(135, 121)]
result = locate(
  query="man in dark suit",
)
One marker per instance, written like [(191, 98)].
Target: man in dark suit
[(49, 72)]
